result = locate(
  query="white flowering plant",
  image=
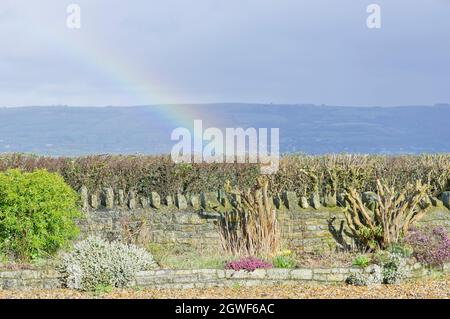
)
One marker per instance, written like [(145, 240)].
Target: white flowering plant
[(95, 261)]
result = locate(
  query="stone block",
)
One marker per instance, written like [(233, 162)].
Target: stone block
[(278, 274), (10, 284), (207, 274), (290, 200), (181, 201), (132, 204), (51, 283), (144, 201), (446, 268), (336, 277), (30, 274), (445, 198), (108, 198), (322, 271), (183, 272), (9, 274), (95, 203), (169, 201), (330, 200), (301, 274), (277, 201), (121, 197), (155, 200), (195, 201), (435, 201), (315, 200), (209, 200), (51, 274), (258, 274), (84, 197), (304, 202)]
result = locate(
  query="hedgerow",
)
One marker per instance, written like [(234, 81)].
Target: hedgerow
[(300, 173)]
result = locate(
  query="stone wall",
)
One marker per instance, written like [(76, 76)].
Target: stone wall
[(309, 224), (203, 278), (24, 279), (168, 226)]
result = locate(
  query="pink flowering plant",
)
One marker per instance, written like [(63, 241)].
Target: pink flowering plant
[(248, 264), (431, 245)]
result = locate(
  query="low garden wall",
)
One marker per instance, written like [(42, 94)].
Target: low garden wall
[(310, 224), (203, 278)]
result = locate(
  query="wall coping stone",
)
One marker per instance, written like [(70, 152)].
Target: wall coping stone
[(108, 198)]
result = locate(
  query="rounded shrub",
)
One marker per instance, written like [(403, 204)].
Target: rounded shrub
[(37, 213), (95, 262)]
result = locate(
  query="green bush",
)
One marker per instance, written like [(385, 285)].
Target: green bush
[(283, 261), (361, 261), (37, 212)]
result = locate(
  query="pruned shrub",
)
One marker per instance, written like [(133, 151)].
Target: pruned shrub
[(430, 245), (390, 216), (95, 262), (302, 174), (37, 213), (248, 264)]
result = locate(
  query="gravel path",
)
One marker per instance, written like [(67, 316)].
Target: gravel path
[(431, 288)]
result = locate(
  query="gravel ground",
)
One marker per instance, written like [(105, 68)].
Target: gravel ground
[(430, 288)]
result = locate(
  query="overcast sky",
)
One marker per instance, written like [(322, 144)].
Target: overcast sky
[(200, 51)]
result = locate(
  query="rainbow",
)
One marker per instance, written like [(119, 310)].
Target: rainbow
[(127, 76)]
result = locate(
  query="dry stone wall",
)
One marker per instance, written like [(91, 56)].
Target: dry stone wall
[(308, 223)]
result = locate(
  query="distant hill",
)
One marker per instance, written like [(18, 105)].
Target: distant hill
[(303, 128)]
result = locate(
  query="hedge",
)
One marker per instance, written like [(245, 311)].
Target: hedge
[(300, 173)]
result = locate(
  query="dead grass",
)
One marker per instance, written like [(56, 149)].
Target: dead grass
[(326, 259), (172, 256)]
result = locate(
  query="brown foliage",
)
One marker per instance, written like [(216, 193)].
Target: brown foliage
[(252, 228), (300, 173)]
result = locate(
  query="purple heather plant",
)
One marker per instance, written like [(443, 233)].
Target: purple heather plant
[(431, 245), (248, 264)]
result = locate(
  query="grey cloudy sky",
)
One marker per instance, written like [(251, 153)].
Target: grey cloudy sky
[(200, 51)]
